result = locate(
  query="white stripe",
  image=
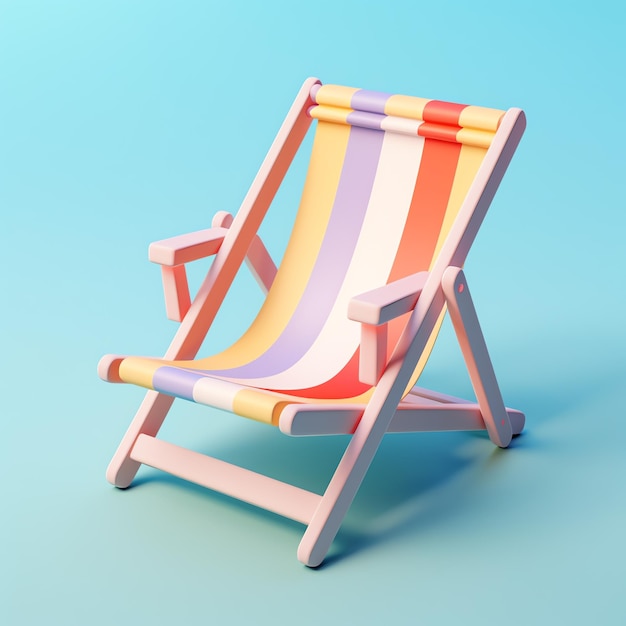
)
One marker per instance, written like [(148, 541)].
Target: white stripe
[(215, 392), (371, 264), (401, 125)]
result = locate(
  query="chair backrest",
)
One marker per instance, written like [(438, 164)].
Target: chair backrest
[(387, 177)]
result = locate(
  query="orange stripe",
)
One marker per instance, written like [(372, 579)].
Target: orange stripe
[(428, 206)]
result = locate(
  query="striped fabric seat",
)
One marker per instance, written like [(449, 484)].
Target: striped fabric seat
[(386, 179)]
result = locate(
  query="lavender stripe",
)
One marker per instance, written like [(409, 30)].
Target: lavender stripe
[(342, 233), (366, 120), (371, 101), (175, 382)]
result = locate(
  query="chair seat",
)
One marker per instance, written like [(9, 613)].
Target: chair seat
[(187, 380)]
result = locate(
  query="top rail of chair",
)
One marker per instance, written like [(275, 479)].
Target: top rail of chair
[(437, 119)]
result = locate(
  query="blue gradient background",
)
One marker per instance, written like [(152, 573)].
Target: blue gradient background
[(125, 122)]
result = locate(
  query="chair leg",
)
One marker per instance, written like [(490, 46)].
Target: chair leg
[(476, 355), (153, 410), (344, 484)]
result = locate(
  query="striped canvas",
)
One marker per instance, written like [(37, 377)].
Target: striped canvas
[(386, 178)]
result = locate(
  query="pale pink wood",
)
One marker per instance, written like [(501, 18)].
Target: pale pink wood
[(476, 355), (374, 309), (258, 259), (261, 264), (109, 368), (148, 420), (517, 419), (346, 480), (176, 291), (222, 219), (373, 353), (305, 420), (273, 495), (196, 323), (420, 393), (388, 393), (387, 302), (174, 252), (186, 248)]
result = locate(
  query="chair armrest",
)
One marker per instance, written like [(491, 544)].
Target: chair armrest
[(374, 309), (186, 248), (385, 303), (173, 253)]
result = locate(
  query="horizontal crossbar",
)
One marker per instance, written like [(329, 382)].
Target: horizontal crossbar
[(417, 413), (238, 482)]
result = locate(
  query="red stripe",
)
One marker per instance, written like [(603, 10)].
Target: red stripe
[(441, 120), (438, 131), (439, 112), (423, 226), (428, 207), (345, 384)]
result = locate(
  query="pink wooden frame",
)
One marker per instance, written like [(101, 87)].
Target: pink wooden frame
[(424, 295)]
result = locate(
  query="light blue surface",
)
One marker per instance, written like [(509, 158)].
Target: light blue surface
[(126, 122)]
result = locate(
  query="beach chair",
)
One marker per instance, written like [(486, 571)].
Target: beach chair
[(395, 192)]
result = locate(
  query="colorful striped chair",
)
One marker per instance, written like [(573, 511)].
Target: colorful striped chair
[(396, 189)]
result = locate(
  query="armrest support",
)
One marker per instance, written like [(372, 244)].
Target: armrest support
[(173, 253), (374, 309)]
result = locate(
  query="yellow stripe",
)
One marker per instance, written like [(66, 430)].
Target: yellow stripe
[(318, 196), (406, 106), (259, 405), (330, 114), (480, 118), (473, 137), (335, 95), (139, 370)]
